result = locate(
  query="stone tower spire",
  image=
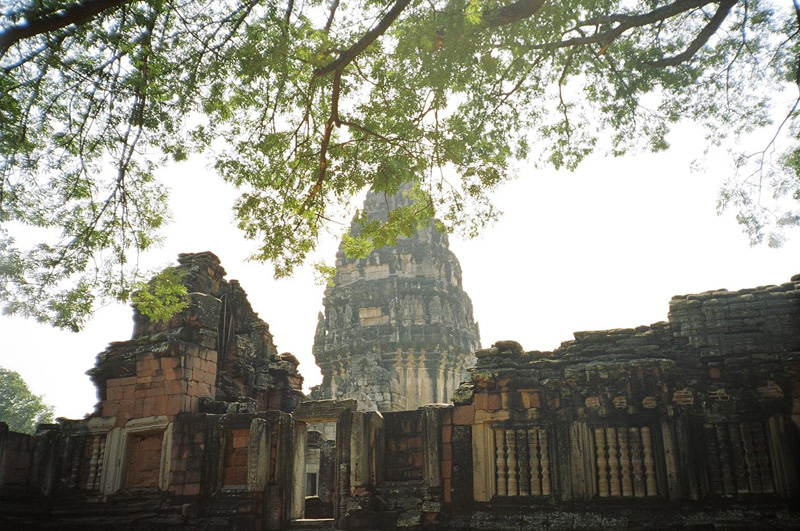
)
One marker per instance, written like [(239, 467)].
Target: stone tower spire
[(398, 330)]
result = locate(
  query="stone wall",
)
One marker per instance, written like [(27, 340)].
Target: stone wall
[(192, 429), (218, 471), (215, 350), (686, 424), (692, 423)]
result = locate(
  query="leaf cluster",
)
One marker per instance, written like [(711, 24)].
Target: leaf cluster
[(304, 105), (163, 296)]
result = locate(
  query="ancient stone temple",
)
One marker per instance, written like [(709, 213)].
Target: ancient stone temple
[(398, 330), (688, 424), (192, 428)]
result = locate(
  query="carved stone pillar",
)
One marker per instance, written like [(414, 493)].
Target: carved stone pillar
[(649, 462), (625, 463), (602, 462), (500, 460), (544, 448), (637, 462), (524, 461), (535, 458), (511, 463)]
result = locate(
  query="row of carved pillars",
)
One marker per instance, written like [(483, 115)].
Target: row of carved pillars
[(673, 459)]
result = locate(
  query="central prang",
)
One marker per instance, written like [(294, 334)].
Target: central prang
[(398, 330)]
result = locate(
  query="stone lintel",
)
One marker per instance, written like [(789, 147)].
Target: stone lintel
[(323, 410)]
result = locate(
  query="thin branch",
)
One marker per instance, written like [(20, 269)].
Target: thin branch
[(762, 154), (326, 139), (366, 131), (330, 17), (506, 95), (797, 13), (735, 58), (370, 132), (562, 104)]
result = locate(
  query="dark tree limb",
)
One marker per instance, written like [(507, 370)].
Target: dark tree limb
[(713, 25), (511, 13), (289, 9), (72, 14), (626, 22), (347, 56), (333, 119), (657, 14), (506, 15), (334, 7)]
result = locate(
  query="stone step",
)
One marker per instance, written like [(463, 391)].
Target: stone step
[(311, 524)]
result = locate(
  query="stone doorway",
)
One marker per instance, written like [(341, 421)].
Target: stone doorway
[(316, 471)]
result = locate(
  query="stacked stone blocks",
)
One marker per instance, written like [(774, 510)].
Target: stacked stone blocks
[(690, 423), (678, 423), (181, 426), (398, 330)]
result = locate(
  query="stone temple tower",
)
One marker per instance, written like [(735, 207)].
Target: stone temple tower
[(398, 330)]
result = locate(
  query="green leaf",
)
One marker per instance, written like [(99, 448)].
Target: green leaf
[(163, 297)]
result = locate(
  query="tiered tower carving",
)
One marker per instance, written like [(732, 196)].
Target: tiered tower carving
[(398, 330)]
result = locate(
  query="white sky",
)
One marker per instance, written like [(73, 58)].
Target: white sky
[(605, 247)]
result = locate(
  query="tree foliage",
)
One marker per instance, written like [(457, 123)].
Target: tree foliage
[(19, 408), (303, 105), (163, 296)]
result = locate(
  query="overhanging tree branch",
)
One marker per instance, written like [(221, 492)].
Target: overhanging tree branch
[(626, 22), (347, 56), (72, 14), (651, 17), (512, 13), (77, 74), (713, 25)]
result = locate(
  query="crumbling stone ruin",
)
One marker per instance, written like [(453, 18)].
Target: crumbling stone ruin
[(220, 354), (686, 424), (398, 330), (192, 429), (689, 423)]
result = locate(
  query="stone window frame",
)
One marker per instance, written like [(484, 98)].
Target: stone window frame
[(258, 454), (312, 467), (116, 452), (779, 450), (663, 491), (548, 444), (312, 484), (225, 438), (93, 427), (485, 487)]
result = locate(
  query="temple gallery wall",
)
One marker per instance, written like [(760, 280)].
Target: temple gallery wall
[(201, 423)]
